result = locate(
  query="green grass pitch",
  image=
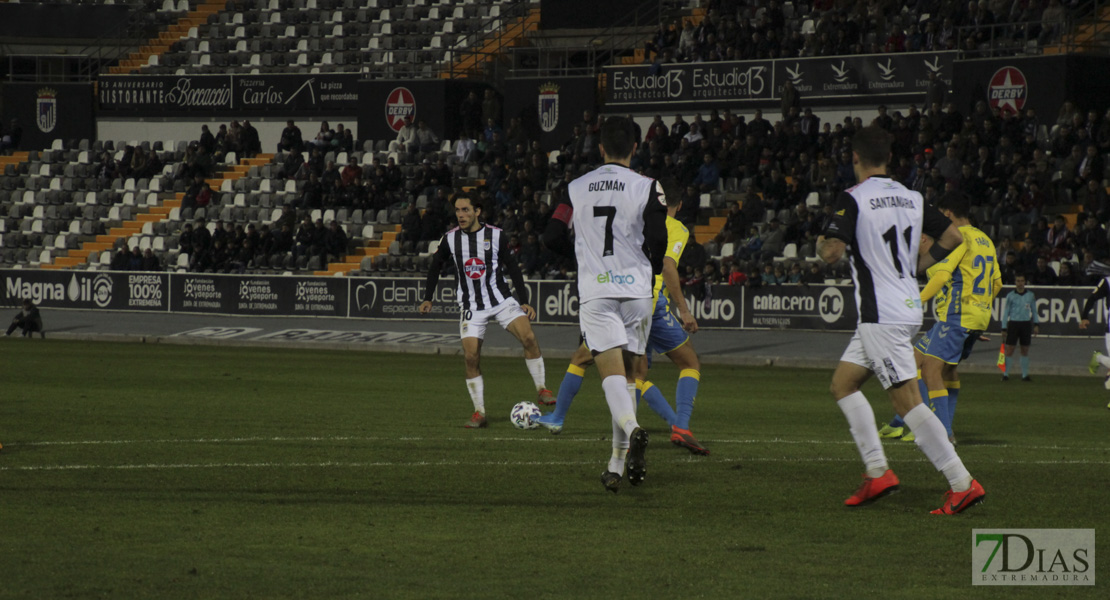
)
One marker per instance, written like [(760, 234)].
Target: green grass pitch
[(158, 471)]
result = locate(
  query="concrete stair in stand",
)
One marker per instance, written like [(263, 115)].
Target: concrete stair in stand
[(494, 42), (159, 45), (372, 248), (154, 215)]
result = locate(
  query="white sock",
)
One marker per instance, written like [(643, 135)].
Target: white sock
[(616, 463), (930, 436), (1104, 360), (477, 389), (621, 404), (535, 368), (861, 422), (632, 392)]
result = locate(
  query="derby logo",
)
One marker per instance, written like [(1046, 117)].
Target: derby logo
[(1008, 90), (398, 105)]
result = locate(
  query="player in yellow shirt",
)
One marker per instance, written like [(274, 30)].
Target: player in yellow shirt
[(669, 336), (965, 284)]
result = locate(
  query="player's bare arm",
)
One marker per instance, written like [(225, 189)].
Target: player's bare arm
[(830, 250), (674, 289), (425, 307), (941, 247), (1100, 291)]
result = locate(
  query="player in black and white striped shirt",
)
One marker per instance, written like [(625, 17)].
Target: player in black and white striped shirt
[(477, 249)]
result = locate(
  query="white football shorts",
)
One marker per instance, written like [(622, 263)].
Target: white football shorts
[(472, 323), (886, 350), (609, 323)]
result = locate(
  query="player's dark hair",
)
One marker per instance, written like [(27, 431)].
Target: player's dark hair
[(473, 202), (671, 190), (872, 144), (956, 202), (618, 135)]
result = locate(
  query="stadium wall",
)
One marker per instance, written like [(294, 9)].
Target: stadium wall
[(153, 129), (820, 82), (550, 107), (587, 14), (49, 111), (794, 307), (1042, 83)]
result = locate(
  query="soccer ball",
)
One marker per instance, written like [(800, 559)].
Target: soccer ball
[(524, 415)]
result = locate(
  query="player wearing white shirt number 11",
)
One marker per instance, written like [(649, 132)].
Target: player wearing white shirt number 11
[(619, 220), (880, 223)]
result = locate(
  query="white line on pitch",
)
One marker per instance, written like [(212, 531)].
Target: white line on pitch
[(480, 438), (365, 465)]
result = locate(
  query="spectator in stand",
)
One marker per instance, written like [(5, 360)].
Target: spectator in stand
[(291, 140), (426, 140), (121, 260), (709, 174), (251, 144), (1060, 240), (150, 262), (470, 114), (736, 275), (774, 240), (790, 99), (1043, 274), (13, 137), (1052, 22), (1067, 276), (335, 242), (351, 174), (950, 166), (1092, 197), (406, 136), (323, 137), (491, 107), (135, 260), (207, 140), (199, 195)]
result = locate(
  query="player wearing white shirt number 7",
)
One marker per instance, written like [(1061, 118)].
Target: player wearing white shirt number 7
[(619, 221), (880, 223)]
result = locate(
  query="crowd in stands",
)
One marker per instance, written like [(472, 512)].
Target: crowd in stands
[(1021, 172), (773, 179), (745, 30)]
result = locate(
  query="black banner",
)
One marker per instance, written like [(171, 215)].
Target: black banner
[(820, 307), (261, 295), (87, 290), (384, 105), (586, 14), (699, 83), (868, 75), (400, 298), (50, 111), (229, 95), (1012, 85), (558, 302), (872, 77), (800, 307), (550, 107), (1042, 83)]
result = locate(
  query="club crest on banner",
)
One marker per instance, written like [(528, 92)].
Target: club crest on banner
[(548, 106), (46, 109)]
